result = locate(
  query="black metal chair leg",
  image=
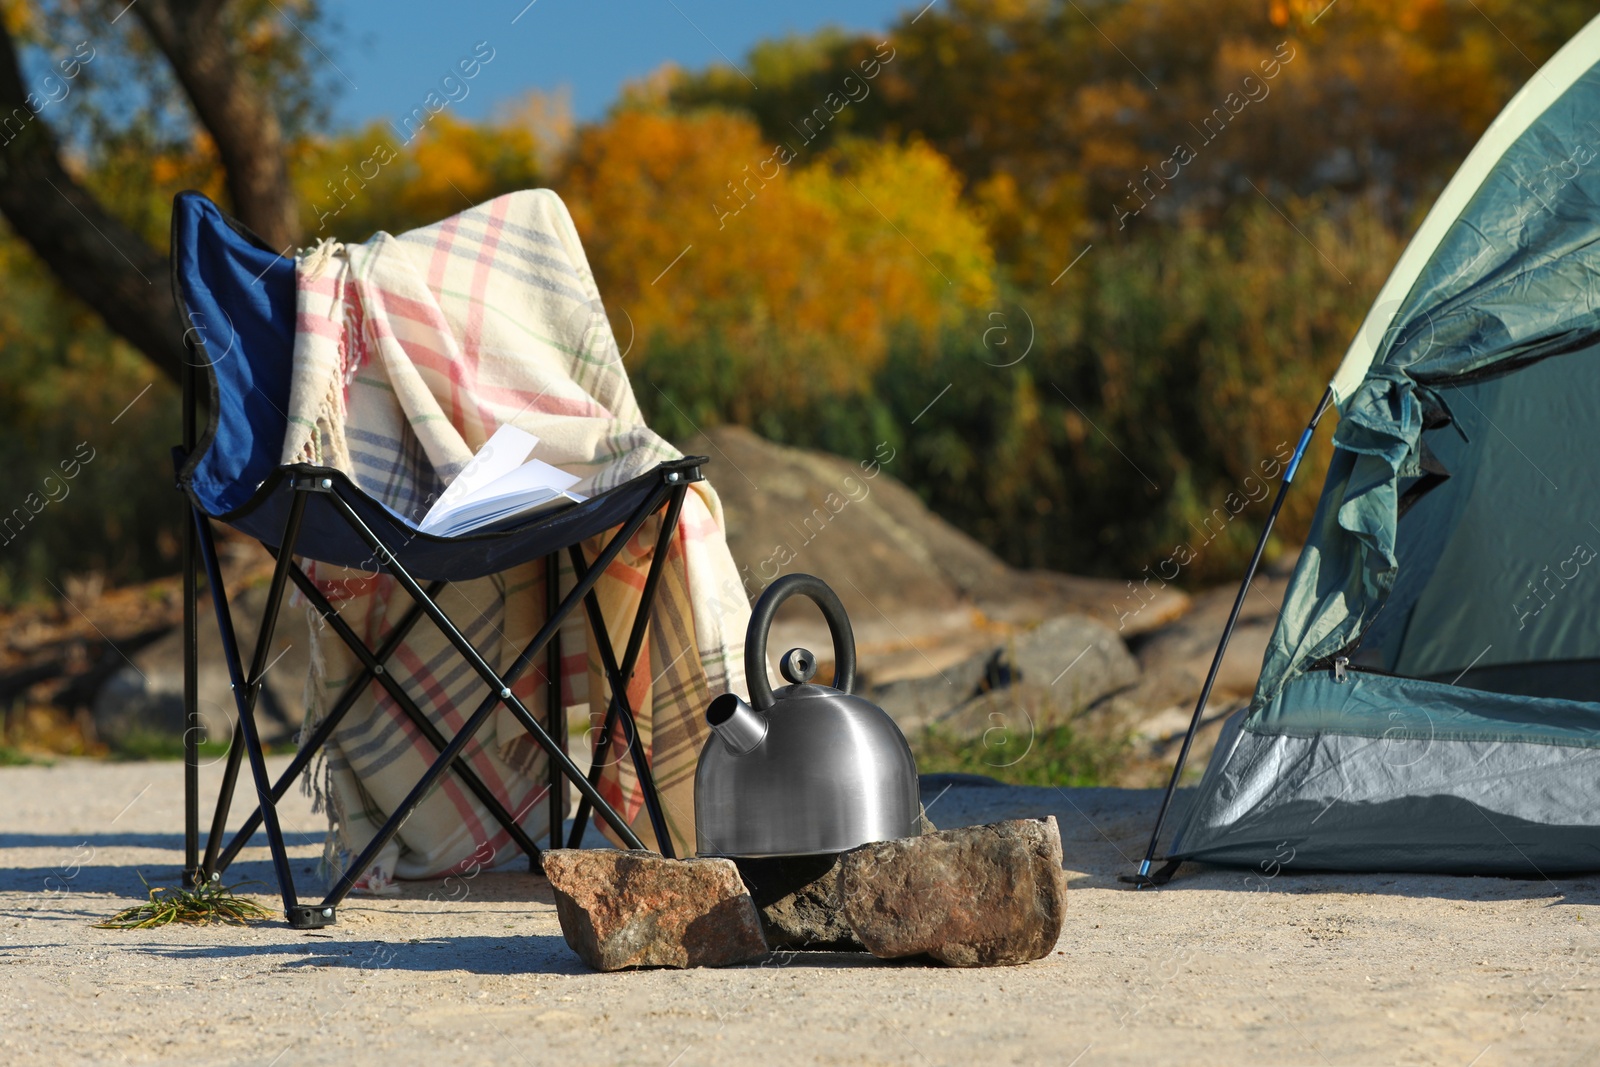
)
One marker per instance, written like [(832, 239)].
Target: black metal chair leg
[(618, 676), (419, 719), (191, 658), (386, 833), (310, 746), (602, 745), (225, 791), (245, 688), (487, 673), (620, 710), (191, 707), (557, 712)]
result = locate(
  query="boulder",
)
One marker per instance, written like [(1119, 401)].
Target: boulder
[(622, 909), (914, 703), (1077, 659), (1053, 671), (973, 897), (143, 700), (798, 897), (852, 523), (1190, 642)]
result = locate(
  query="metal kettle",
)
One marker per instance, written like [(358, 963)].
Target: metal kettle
[(807, 770)]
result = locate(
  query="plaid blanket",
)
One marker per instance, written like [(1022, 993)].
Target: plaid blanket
[(410, 352)]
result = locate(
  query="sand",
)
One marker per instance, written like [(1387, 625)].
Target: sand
[(1220, 967)]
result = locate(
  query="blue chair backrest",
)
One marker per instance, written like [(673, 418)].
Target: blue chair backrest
[(240, 300)]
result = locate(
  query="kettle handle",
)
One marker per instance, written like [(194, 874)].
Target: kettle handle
[(755, 648)]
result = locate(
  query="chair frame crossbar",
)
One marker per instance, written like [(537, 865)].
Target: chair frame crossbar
[(200, 558)]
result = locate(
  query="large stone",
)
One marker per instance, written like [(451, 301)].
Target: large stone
[(973, 897), (622, 909), (898, 567), (914, 703), (1038, 677), (1190, 643), (798, 897), (142, 702), (1076, 658)]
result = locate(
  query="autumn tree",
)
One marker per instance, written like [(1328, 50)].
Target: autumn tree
[(1072, 121), (354, 184), (222, 78), (797, 266)]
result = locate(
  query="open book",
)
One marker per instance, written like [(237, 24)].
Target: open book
[(500, 482)]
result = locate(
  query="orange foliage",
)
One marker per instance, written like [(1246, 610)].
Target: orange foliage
[(355, 184), (694, 224)]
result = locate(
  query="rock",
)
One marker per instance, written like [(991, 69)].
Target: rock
[(1076, 658), (622, 909), (143, 701), (846, 519), (1037, 677), (914, 703), (1191, 642), (851, 522), (798, 897), (973, 897)]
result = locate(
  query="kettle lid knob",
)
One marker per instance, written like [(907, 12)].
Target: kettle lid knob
[(798, 665)]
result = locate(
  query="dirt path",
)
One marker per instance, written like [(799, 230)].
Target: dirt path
[(1219, 968)]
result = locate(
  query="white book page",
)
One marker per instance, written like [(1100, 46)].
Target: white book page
[(502, 454), (531, 476), (488, 513), (498, 484)]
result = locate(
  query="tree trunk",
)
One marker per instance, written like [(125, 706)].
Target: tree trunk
[(232, 108), (93, 254), (100, 260)]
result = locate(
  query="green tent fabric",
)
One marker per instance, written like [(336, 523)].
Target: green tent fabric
[(1439, 646)]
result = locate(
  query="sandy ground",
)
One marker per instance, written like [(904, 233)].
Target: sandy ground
[(1218, 968)]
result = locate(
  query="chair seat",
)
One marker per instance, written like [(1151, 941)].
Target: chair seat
[(325, 535)]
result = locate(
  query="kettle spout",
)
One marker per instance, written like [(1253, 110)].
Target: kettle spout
[(741, 727)]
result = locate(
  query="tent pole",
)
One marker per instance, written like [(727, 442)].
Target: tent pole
[(1143, 878)]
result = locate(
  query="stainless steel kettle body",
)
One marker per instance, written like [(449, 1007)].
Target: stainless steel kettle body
[(809, 769)]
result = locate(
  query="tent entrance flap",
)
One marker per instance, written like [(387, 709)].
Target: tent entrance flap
[(1499, 565)]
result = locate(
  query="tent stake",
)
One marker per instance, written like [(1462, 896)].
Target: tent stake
[(1143, 878)]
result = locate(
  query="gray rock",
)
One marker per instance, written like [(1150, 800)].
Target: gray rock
[(623, 909), (851, 522), (973, 897), (144, 699), (1076, 658), (798, 897), (1189, 643), (1048, 673), (914, 703)]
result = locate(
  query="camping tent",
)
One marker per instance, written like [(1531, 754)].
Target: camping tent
[(1430, 699)]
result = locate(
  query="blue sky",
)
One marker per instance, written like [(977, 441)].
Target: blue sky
[(390, 53)]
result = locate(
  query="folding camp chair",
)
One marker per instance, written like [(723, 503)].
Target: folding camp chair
[(236, 298)]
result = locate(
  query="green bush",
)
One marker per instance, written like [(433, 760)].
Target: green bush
[(1156, 386), (76, 401)]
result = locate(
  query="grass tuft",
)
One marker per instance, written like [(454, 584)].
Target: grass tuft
[(201, 906), (15, 757), (1058, 755)]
